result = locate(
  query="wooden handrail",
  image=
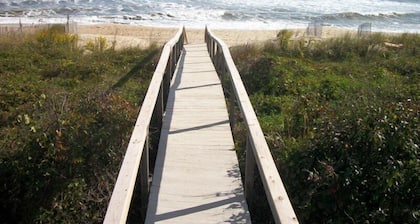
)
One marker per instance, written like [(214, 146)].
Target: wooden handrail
[(136, 159), (258, 153)]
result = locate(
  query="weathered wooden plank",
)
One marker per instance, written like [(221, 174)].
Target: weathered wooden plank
[(197, 177)]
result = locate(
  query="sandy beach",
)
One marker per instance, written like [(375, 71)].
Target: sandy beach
[(144, 36)]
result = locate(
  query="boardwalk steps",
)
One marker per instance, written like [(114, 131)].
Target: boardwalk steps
[(197, 177)]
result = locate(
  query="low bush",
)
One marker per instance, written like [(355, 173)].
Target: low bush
[(341, 119), (66, 118)]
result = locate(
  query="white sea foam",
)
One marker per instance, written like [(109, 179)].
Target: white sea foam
[(385, 15)]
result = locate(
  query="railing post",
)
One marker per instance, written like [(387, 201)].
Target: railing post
[(174, 57), (178, 50), (206, 36), (219, 62), (144, 177), (216, 60), (250, 166), (170, 63), (184, 38), (232, 116), (209, 47), (175, 53), (159, 107), (214, 47), (166, 84)]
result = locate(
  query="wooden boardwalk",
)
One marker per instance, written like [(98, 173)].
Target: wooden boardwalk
[(196, 177)]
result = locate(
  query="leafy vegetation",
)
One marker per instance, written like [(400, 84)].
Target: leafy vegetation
[(66, 117), (341, 117)]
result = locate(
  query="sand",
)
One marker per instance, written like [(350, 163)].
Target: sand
[(125, 35), (143, 36)]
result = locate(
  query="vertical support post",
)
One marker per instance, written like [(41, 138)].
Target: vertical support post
[(144, 177), (170, 63), (232, 116), (177, 50), (213, 47), (184, 38), (157, 117), (250, 167), (206, 36), (209, 47), (160, 104), (174, 57), (217, 59), (220, 62), (166, 85)]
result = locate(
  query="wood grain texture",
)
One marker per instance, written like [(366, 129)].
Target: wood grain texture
[(197, 177)]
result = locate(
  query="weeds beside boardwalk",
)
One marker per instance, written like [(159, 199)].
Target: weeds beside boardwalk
[(66, 117), (341, 117)]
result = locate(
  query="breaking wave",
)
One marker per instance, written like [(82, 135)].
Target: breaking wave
[(386, 15)]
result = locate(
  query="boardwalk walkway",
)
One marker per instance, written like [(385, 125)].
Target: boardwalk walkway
[(196, 177)]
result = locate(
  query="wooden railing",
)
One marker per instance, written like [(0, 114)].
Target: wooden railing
[(257, 153), (135, 166)]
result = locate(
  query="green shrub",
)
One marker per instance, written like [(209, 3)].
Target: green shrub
[(341, 120), (361, 165), (66, 118)]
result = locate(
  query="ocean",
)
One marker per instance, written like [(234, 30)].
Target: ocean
[(384, 15)]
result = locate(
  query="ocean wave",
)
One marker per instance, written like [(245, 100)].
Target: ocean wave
[(235, 16), (385, 14), (369, 17)]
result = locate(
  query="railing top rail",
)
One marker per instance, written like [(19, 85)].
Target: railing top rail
[(277, 197), (119, 204)]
